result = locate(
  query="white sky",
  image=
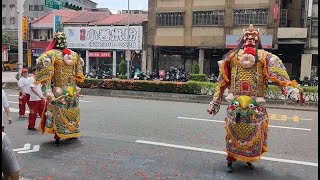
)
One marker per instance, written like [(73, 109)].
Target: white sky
[(115, 5)]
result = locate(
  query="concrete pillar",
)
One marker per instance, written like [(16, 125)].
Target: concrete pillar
[(144, 61), (201, 60), (306, 63), (149, 59), (114, 64), (87, 62)]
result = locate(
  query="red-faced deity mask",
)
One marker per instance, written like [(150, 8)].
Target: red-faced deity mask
[(250, 36)]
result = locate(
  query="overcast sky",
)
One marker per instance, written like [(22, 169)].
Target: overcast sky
[(115, 5)]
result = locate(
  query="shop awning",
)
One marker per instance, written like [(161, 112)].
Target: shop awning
[(290, 41)]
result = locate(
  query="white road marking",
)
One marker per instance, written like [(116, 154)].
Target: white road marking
[(13, 95), (13, 102), (25, 147), (36, 148), (17, 110), (84, 101), (218, 121), (224, 153)]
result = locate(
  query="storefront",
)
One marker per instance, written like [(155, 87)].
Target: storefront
[(105, 46)]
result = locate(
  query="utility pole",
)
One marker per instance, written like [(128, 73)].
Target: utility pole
[(128, 51), (20, 37)]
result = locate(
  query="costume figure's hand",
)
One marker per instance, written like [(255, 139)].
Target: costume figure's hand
[(296, 95), (214, 108)]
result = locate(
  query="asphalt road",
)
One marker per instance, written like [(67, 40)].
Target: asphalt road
[(145, 139)]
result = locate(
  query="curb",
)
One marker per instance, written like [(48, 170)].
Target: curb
[(189, 98)]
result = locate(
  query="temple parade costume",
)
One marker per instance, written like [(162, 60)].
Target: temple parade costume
[(60, 69), (245, 72)]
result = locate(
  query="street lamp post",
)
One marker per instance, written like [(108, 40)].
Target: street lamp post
[(128, 51), (20, 37)]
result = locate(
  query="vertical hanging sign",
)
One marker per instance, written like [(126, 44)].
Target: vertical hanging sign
[(56, 23), (25, 28)]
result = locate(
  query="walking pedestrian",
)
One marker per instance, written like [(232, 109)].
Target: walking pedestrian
[(24, 94), (10, 165), (36, 103), (5, 107)]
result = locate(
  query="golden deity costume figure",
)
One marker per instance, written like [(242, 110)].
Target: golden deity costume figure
[(59, 70), (245, 72)]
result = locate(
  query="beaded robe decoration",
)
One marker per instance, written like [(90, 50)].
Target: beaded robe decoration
[(245, 72), (60, 69)]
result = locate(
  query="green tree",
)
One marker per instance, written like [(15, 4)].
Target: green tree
[(123, 67), (6, 39), (195, 69)]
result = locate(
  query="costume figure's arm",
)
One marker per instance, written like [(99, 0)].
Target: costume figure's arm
[(275, 71), (79, 70), (223, 83), (45, 67)]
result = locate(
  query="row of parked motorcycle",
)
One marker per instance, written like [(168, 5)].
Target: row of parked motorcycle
[(173, 74)]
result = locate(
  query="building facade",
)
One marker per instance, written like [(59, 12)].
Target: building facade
[(32, 9), (184, 32), (96, 35), (309, 60)]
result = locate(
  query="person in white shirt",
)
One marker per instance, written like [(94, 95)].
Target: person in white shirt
[(36, 103), (5, 107), (10, 165), (24, 94)]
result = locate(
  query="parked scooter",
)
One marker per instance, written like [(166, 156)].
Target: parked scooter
[(107, 75), (213, 78), (92, 74), (138, 75), (162, 75)]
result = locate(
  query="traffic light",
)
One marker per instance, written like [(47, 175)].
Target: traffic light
[(71, 6)]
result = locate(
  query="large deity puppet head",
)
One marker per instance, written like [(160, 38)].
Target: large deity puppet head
[(251, 36), (61, 40), (251, 41)]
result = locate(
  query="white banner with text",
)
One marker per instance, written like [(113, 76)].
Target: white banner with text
[(104, 37)]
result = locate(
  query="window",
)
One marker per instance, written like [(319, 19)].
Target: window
[(12, 7), (314, 29), (50, 32), (250, 16), (208, 18), (170, 19), (31, 7), (3, 7), (4, 20), (35, 7), (36, 34), (12, 20)]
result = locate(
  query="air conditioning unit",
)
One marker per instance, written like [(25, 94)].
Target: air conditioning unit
[(43, 38)]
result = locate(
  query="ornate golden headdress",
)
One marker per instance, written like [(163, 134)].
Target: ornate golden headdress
[(251, 30)]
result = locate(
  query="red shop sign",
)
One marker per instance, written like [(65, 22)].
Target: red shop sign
[(39, 44), (100, 54)]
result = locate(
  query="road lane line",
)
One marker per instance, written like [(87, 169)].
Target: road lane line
[(13, 95), (223, 152), (17, 110), (218, 121), (13, 102)]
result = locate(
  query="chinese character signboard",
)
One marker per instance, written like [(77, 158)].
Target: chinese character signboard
[(25, 28), (100, 54), (104, 37)]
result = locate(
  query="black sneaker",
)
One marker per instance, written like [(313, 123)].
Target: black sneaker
[(57, 142), (250, 166), (229, 168), (32, 129), (70, 139)]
